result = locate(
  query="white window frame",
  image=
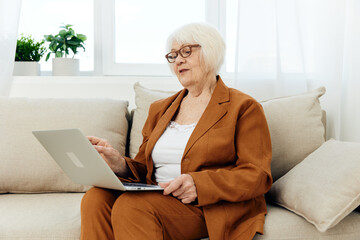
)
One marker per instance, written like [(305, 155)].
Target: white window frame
[(105, 30)]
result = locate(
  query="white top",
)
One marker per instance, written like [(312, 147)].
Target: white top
[(169, 149)]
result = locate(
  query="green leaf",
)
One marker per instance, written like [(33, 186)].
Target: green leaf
[(48, 38), (63, 33), (59, 47), (81, 36), (73, 49), (47, 56), (68, 35), (58, 54), (65, 26), (53, 46), (76, 39), (73, 43), (59, 39)]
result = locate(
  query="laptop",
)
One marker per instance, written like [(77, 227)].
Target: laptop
[(78, 158)]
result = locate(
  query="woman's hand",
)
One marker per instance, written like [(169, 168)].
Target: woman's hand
[(111, 156), (182, 187)]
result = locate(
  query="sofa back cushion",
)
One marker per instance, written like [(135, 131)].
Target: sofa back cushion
[(296, 129), (25, 164), (295, 124), (144, 97)]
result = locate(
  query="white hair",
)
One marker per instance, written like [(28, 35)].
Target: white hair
[(211, 42)]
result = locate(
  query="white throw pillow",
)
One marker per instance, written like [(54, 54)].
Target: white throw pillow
[(325, 187), (295, 127), (144, 97), (25, 166)]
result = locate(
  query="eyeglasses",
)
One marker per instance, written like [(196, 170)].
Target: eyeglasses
[(184, 52)]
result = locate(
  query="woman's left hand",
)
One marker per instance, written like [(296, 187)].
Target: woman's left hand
[(182, 187)]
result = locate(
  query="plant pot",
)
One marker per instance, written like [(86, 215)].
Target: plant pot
[(26, 68), (65, 67)]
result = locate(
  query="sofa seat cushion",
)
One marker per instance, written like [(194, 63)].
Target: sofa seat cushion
[(284, 224), (40, 216)]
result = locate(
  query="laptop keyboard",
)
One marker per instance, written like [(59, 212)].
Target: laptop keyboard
[(138, 185)]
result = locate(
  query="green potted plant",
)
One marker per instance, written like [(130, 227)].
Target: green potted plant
[(27, 56), (60, 45)]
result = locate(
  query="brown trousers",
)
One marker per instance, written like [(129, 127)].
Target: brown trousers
[(107, 214)]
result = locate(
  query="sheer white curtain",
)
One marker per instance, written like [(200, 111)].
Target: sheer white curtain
[(285, 47), (9, 21)]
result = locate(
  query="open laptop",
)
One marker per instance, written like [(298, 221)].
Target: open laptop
[(78, 158)]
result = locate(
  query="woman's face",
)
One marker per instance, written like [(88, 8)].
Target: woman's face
[(189, 70)]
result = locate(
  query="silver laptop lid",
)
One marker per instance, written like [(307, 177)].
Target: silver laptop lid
[(81, 162), (78, 158)]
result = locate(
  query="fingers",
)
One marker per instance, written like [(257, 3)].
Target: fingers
[(93, 140), (107, 151), (178, 192), (164, 184), (98, 141), (182, 187), (111, 156), (188, 197), (173, 185), (101, 149), (187, 200)]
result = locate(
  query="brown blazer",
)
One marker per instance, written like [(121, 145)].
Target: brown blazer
[(228, 155)]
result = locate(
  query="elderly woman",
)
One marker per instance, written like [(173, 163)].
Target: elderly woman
[(208, 146)]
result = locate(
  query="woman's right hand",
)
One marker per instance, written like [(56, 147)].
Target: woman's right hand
[(111, 156)]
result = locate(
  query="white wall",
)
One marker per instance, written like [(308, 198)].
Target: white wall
[(116, 87), (87, 87)]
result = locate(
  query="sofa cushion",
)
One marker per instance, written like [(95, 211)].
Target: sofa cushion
[(295, 127), (40, 216), (25, 164), (281, 224), (325, 187), (143, 99)]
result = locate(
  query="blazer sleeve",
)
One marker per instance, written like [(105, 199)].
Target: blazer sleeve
[(250, 176)]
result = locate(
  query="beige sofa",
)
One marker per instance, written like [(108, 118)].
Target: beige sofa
[(37, 201)]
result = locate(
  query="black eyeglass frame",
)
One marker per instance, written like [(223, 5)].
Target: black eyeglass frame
[(179, 52)]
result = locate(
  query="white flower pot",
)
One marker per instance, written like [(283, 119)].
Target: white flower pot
[(65, 67), (26, 68)]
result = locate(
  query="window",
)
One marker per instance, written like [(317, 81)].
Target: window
[(136, 40), (124, 37), (141, 28), (43, 17)]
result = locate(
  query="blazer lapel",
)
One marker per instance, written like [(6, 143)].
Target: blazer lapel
[(160, 128), (212, 114)]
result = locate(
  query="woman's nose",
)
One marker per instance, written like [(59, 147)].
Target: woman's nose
[(179, 59)]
